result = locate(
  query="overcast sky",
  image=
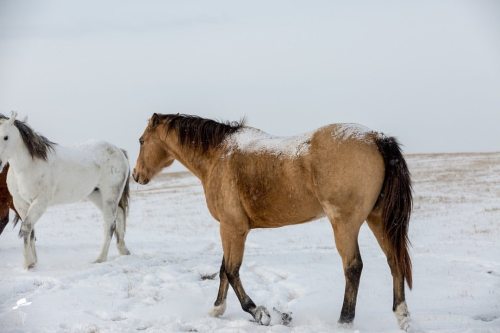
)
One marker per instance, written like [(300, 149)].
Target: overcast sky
[(427, 72)]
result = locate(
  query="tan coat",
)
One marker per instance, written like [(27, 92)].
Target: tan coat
[(253, 180)]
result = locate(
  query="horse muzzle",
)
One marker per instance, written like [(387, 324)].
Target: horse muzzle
[(137, 177)]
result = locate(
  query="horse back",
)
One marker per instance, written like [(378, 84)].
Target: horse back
[(72, 173)]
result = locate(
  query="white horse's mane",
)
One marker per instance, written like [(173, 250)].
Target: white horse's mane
[(37, 145)]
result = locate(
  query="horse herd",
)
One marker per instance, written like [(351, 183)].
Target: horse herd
[(346, 172)]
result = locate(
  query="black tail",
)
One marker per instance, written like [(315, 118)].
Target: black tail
[(397, 202)]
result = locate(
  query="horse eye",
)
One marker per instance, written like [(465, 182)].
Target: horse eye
[(141, 141), (6, 138)]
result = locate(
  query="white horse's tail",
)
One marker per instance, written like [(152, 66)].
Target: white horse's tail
[(123, 204)]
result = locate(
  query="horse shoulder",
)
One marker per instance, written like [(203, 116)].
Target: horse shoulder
[(221, 193)]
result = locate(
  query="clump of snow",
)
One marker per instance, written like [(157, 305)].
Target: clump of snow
[(250, 139)]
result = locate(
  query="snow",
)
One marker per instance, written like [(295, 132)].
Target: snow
[(351, 131), (254, 140), (165, 285)]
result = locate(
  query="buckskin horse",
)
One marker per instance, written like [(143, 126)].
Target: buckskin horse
[(42, 174), (251, 180)]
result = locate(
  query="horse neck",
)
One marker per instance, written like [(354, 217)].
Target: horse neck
[(21, 160), (198, 162)]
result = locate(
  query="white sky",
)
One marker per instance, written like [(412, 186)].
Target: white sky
[(426, 71)]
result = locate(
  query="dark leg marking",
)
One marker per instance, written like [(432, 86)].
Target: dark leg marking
[(352, 277), (224, 285), (246, 302)]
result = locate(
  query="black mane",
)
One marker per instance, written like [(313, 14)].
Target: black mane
[(37, 145), (200, 133)]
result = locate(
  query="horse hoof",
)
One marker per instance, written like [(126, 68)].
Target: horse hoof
[(99, 260), (345, 325), (262, 316), (403, 316), (218, 310), (30, 266), (124, 252)]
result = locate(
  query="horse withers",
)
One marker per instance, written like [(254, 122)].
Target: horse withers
[(254, 180), (42, 174)]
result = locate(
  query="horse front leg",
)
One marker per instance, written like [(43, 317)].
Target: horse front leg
[(220, 303), (233, 244), (27, 231)]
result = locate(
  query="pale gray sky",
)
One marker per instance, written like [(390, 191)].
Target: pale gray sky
[(426, 71)]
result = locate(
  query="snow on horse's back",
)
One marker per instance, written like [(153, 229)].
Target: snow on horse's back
[(43, 173)]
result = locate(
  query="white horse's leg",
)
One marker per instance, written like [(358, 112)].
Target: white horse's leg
[(27, 231), (120, 232), (109, 215), (29, 252)]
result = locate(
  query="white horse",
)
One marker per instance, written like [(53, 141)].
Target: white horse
[(43, 174)]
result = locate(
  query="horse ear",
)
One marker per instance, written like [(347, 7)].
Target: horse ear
[(12, 118), (155, 120)]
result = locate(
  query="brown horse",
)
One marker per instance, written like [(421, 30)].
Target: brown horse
[(253, 180), (6, 202)]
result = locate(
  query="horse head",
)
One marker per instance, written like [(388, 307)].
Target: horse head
[(9, 135), (154, 154)]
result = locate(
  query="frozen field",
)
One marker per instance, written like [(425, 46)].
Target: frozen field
[(162, 286)]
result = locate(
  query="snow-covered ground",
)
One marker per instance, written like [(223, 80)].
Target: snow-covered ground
[(162, 286)]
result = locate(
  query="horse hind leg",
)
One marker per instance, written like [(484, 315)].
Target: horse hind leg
[(109, 215), (109, 212), (399, 306), (120, 232), (346, 230)]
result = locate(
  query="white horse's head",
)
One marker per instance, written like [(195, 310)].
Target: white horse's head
[(9, 136)]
